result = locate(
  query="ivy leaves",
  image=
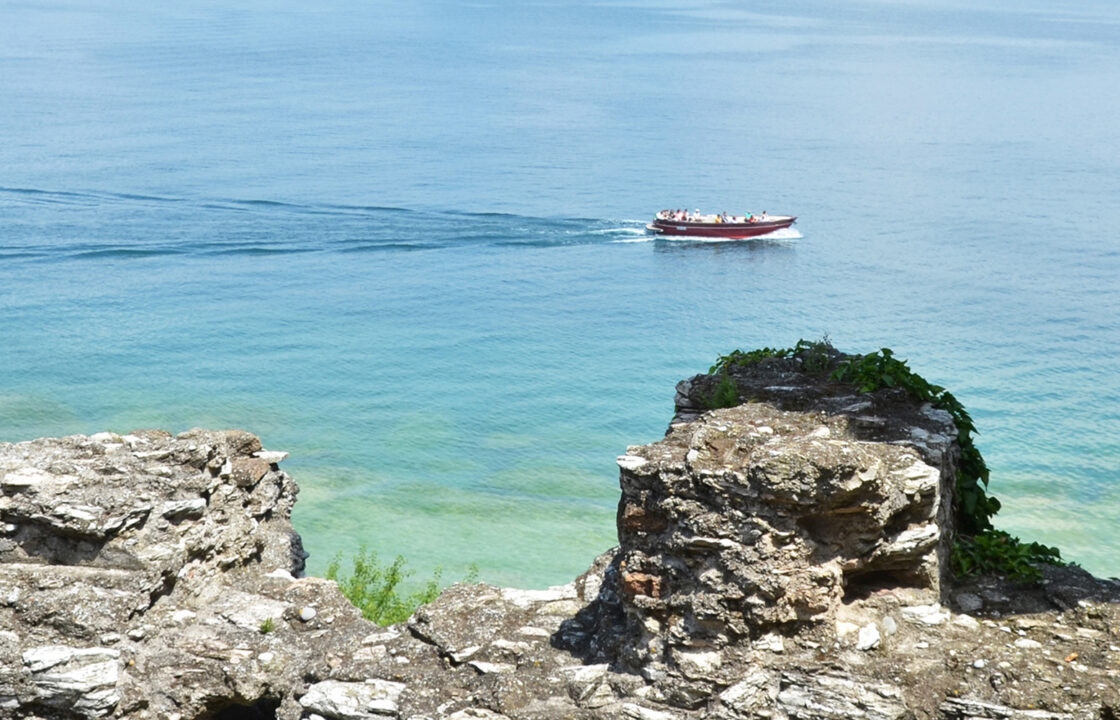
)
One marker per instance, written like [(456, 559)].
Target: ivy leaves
[(873, 371), (980, 548)]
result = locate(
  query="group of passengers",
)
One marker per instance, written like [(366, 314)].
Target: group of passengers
[(686, 216)]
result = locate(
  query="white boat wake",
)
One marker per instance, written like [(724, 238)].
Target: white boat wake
[(781, 235), (635, 233), (618, 230)]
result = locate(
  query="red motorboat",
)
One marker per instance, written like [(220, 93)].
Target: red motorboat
[(731, 227)]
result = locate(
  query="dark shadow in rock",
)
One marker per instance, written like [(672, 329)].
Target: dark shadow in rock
[(1063, 587), (52, 548), (263, 709), (595, 633)]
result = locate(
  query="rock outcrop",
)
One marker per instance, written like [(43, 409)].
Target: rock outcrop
[(759, 522), (783, 559)]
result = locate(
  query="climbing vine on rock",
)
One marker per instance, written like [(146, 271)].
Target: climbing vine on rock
[(873, 371), (981, 547)]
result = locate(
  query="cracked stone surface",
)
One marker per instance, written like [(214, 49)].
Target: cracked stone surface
[(784, 559)]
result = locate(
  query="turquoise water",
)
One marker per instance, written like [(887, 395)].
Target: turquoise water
[(405, 243)]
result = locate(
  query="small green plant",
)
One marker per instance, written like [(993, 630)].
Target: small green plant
[(746, 359), (267, 626), (997, 551), (375, 589), (725, 395), (816, 357)]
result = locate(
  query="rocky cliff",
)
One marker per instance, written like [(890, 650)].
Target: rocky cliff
[(785, 558)]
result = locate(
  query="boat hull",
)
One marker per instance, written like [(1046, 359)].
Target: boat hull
[(730, 231)]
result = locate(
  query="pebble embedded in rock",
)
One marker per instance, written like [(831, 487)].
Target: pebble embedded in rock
[(868, 637), (966, 621), (308, 613)]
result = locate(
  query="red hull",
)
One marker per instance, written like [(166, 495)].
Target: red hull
[(730, 231)]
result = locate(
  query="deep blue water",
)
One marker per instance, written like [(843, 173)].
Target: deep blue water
[(403, 241)]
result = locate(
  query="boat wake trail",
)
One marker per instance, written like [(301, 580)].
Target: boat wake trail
[(106, 225), (635, 233)]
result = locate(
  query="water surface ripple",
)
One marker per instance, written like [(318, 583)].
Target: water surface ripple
[(405, 242)]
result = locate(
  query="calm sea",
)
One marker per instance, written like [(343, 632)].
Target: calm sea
[(403, 241)]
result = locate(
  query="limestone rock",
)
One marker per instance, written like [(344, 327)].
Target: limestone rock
[(83, 680), (731, 532), (869, 637), (353, 700), (836, 697), (784, 559)]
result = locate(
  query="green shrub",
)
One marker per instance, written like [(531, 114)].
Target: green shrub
[(267, 626), (815, 355), (375, 589), (725, 395)]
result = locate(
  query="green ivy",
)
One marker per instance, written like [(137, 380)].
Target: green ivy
[(997, 551), (814, 355), (980, 548), (873, 371)]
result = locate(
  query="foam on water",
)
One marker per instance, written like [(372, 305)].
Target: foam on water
[(776, 236)]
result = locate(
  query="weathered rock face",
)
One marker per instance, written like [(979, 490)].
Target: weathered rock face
[(116, 550), (785, 559), (755, 520)]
